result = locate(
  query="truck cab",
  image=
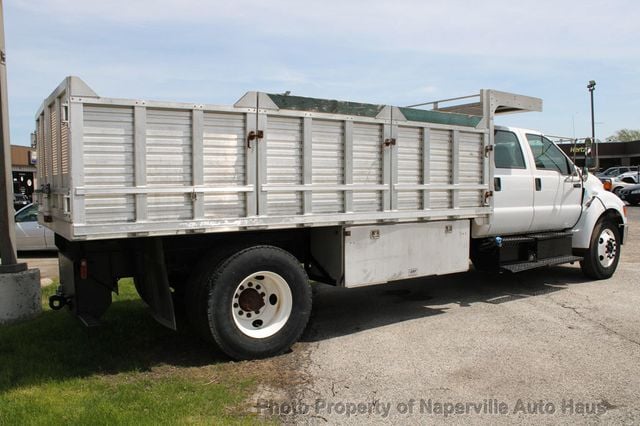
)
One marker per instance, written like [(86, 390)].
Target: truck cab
[(536, 187), (539, 194)]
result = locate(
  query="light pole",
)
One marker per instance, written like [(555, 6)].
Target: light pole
[(592, 86)]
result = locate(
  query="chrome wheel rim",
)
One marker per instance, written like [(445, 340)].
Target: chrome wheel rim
[(607, 248), (261, 304)]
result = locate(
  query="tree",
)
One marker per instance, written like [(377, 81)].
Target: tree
[(625, 135)]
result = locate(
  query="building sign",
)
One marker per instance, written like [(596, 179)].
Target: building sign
[(33, 158), (578, 149)]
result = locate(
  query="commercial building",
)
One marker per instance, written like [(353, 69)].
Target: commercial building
[(23, 170), (610, 153)]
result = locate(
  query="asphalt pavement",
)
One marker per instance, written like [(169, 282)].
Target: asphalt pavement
[(46, 261), (544, 346)]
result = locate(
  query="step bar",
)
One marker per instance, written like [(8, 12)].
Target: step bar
[(524, 266)]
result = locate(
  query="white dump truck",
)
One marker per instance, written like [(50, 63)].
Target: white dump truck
[(230, 211)]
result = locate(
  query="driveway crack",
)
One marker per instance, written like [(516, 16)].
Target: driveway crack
[(606, 328)]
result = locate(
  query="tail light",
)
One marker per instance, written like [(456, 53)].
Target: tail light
[(84, 269)]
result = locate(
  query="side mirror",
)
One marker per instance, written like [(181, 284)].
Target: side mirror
[(585, 173), (589, 162)]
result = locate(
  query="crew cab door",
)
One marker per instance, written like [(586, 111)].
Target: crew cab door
[(512, 192), (557, 186)]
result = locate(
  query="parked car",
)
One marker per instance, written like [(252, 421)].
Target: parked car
[(629, 177), (612, 172), (30, 235), (630, 194), (615, 185), (19, 201)]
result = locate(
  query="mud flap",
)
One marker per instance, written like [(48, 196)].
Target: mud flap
[(88, 296), (152, 282)]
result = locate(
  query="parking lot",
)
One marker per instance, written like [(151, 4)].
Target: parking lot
[(541, 346)]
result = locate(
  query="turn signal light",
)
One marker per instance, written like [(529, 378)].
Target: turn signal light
[(607, 185)]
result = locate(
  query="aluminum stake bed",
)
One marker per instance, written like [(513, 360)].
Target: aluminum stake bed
[(115, 168)]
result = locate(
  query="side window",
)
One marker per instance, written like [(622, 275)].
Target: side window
[(508, 154), (29, 214), (547, 155)]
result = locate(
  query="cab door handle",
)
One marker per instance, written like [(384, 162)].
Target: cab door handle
[(538, 184)]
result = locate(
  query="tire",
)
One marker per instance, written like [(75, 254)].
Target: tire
[(616, 190), (196, 293), (603, 255), (254, 304)]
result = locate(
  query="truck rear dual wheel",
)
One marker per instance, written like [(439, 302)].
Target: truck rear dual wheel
[(601, 259), (254, 304)]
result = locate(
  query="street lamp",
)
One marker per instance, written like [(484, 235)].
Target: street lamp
[(592, 86)]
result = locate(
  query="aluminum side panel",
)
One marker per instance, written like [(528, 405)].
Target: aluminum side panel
[(284, 148), (225, 163), (108, 161), (367, 165), (328, 164), (410, 166)]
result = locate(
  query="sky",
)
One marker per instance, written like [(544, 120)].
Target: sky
[(385, 52)]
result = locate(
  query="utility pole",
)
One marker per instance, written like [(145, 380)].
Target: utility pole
[(592, 86), (19, 287), (7, 242)]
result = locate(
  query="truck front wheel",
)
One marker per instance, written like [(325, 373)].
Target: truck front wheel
[(601, 259), (258, 302)]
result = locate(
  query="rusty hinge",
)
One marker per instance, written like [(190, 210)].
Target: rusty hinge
[(389, 142), (487, 150), (254, 136), (487, 195), (45, 189)]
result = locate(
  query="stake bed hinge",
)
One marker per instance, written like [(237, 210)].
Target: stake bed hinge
[(253, 135), (487, 195), (389, 142), (488, 150)]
